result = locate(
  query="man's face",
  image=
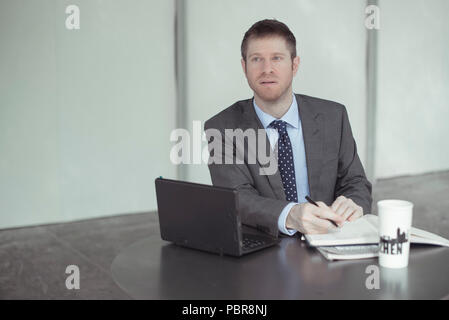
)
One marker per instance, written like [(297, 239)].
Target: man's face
[(269, 67)]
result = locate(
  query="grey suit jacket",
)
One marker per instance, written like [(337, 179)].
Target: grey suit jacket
[(333, 166)]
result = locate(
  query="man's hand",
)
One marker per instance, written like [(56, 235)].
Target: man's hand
[(347, 209), (310, 219)]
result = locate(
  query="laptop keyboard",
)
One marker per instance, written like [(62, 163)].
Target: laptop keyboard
[(249, 243)]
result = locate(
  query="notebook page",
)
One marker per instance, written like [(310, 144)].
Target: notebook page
[(355, 232)]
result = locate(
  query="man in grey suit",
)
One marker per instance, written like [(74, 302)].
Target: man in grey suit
[(316, 153)]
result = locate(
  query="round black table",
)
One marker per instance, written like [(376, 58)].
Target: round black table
[(155, 269)]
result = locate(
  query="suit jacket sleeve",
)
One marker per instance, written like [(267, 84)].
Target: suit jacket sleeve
[(255, 210), (351, 179)]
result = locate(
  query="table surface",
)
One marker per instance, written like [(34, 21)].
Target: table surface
[(155, 269)]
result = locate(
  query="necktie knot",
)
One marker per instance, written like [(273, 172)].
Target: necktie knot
[(280, 126)]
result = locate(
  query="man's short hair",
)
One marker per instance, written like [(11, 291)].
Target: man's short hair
[(267, 28)]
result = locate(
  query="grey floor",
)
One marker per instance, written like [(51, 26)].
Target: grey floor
[(33, 260)]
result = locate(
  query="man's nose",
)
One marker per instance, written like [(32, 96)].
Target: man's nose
[(267, 66)]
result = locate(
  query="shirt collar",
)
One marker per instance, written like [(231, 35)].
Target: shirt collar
[(291, 116)]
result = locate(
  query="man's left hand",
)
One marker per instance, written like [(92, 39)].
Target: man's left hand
[(347, 208)]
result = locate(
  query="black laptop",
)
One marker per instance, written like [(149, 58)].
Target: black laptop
[(206, 218)]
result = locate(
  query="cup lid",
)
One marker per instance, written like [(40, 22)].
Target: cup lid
[(394, 203)]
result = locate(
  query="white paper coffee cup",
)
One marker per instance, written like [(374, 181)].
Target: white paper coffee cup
[(395, 223)]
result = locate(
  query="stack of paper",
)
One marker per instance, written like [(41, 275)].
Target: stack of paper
[(359, 239)]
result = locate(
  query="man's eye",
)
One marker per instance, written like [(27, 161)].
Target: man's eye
[(277, 58), (256, 59)]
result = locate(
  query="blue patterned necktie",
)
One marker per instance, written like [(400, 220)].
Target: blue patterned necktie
[(285, 160)]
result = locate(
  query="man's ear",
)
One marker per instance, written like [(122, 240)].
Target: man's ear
[(243, 66), (295, 65)]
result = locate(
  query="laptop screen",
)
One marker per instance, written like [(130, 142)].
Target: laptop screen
[(198, 216)]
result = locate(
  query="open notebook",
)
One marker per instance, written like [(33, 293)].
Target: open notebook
[(359, 239)]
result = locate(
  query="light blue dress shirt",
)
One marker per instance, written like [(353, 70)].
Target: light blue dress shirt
[(294, 131)]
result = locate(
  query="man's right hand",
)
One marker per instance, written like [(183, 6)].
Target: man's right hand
[(310, 219)]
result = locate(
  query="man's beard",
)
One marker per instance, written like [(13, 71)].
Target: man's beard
[(272, 95)]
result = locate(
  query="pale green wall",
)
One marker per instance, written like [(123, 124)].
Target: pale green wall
[(85, 115), (413, 97)]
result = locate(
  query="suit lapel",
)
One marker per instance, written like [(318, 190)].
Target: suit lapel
[(312, 130), (251, 121)]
